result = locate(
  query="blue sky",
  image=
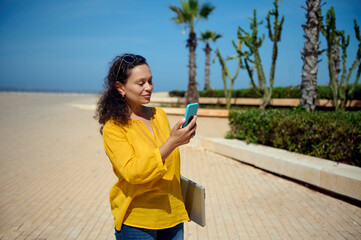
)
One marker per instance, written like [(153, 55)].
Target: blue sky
[(68, 44)]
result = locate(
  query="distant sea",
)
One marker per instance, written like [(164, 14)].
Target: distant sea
[(48, 90)]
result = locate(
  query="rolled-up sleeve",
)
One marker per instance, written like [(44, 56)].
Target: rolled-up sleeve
[(135, 167)]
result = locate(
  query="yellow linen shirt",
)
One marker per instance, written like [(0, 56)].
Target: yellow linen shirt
[(148, 193)]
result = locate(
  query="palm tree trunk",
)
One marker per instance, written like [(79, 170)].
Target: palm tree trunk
[(192, 92), (310, 56), (207, 50)]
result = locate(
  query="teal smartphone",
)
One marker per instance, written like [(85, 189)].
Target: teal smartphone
[(191, 111)]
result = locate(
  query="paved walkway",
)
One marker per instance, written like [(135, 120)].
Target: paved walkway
[(55, 179)]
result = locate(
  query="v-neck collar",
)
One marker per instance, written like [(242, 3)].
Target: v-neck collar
[(153, 136)]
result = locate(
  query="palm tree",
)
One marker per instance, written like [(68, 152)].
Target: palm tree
[(188, 14), (206, 37), (310, 53)]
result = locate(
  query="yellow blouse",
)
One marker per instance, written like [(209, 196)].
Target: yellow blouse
[(148, 193)]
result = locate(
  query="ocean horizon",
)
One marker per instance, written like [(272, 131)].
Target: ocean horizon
[(49, 90)]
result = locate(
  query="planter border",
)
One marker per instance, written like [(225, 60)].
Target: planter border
[(335, 177)]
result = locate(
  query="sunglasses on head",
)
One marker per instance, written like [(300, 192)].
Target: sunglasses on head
[(129, 59)]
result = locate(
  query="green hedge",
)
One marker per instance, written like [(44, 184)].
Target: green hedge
[(331, 135), (324, 92), (177, 93)]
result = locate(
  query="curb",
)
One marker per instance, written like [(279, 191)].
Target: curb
[(201, 112), (339, 178)]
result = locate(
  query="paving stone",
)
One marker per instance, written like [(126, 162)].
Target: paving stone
[(55, 180)]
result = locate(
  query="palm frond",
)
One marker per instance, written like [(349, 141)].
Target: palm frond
[(193, 7), (206, 9), (189, 12), (180, 17), (185, 6), (209, 36), (205, 36), (174, 9), (216, 36)]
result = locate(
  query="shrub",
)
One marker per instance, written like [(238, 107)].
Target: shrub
[(356, 94), (323, 91), (286, 92), (176, 93), (240, 93), (331, 135), (212, 93)]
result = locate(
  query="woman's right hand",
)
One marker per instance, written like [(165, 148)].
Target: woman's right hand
[(178, 136), (181, 136)]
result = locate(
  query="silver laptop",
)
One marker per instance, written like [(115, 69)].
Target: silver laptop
[(194, 196)]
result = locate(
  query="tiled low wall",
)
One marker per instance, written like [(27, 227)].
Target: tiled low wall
[(335, 177)]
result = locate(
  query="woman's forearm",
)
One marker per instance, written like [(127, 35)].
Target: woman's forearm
[(178, 136), (167, 148)]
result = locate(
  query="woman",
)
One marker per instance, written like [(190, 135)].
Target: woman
[(146, 201)]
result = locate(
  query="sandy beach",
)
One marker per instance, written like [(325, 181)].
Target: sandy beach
[(55, 179)]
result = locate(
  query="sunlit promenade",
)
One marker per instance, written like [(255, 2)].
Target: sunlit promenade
[(55, 179)]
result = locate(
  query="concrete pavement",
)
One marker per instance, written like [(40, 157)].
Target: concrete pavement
[(55, 179)]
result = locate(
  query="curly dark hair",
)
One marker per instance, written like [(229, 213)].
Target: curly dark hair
[(111, 104)]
